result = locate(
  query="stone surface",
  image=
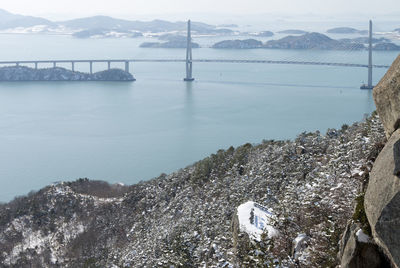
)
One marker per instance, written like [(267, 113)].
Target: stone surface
[(382, 202), (354, 253), (396, 155), (387, 98)]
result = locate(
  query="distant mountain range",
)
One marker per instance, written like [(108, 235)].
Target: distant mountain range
[(9, 20), (104, 23)]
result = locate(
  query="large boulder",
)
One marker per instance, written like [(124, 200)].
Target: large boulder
[(382, 200), (387, 98), (357, 250)]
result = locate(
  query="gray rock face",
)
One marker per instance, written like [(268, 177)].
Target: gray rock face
[(387, 98), (396, 155), (382, 202), (354, 253)]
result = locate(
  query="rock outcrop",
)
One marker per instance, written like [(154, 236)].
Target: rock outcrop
[(382, 198), (387, 98), (357, 250), (382, 202)]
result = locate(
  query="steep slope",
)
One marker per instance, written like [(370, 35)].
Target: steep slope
[(189, 218)]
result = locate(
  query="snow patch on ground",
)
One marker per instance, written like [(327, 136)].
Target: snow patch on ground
[(38, 241), (362, 237), (261, 220), (300, 245)]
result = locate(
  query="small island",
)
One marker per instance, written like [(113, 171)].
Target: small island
[(239, 44), (105, 33), (263, 34), (169, 44), (346, 30), (23, 73), (293, 31), (386, 47), (365, 40), (311, 41)]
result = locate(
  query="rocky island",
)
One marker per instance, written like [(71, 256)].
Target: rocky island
[(170, 41), (263, 34), (169, 44), (309, 41), (386, 46), (23, 73), (293, 31), (104, 33), (239, 44), (346, 30)]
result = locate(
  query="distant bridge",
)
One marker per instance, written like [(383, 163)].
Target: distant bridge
[(128, 61), (189, 61)]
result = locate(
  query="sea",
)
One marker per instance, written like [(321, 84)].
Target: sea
[(126, 132)]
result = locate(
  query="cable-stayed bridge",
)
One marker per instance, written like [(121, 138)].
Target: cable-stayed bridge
[(127, 61), (189, 61)]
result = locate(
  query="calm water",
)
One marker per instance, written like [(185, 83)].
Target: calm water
[(126, 132)]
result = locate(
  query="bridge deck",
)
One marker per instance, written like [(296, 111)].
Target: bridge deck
[(197, 60)]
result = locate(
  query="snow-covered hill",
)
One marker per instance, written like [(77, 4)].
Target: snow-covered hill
[(302, 192)]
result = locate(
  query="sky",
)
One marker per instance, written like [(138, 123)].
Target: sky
[(155, 8)]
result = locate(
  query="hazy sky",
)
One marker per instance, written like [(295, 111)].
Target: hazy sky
[(132, 8)]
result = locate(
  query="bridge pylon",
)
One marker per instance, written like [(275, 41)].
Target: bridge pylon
[(369, 85), (189, 62)]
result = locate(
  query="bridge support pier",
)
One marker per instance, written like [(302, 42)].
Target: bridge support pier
[(54, 64), (109, 65), (91, 67), (189, 62), (73, 66), (36, 65), (369, 85), (127, 66)]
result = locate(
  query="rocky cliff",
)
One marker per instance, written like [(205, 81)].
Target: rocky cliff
[(379, 207), (23, 73)]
